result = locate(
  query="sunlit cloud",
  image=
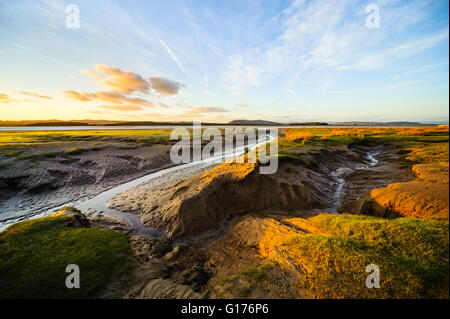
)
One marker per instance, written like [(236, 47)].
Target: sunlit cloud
[(198, 110), (111, 97), (37, 95), (123, 86), (92, 74), (84, 97), (121, 107), (242, 105), (117, 80), (5, 98), (118, 98)]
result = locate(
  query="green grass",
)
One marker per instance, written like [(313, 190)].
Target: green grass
[(40, 156), (34, 255), (75, 151), (412, 255), (227, 280), (14, 153), (20, 141), (245, 281), (259, 272)]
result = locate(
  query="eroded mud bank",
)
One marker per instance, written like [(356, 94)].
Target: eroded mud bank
[(28, 188), (333, 180), (231, 218)]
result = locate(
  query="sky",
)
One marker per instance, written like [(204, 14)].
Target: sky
[(216, 61)]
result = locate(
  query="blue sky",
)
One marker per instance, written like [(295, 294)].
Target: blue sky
[(223, 60)]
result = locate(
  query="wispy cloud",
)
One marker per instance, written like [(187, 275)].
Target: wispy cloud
[(121, 107), (198, 110), (83, 96), (383, 58), (111, 97), (329, 34), (37, 95), (41, 54), (5, 98)]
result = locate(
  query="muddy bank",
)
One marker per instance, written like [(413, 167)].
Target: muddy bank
[(427, 196), (202, 202), (382, 167), (28, 187), (316, 181)]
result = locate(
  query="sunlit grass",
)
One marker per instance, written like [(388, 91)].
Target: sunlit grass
[(412, 255), (14, 143), (426, 144)]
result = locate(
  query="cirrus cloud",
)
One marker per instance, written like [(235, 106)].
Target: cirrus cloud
[(121, 107), (5, 98), (198, 110), (37, 95)]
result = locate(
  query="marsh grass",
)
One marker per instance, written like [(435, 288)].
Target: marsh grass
[(425, 144), (412, 255), (248, 279), (16, 142), (34, 255)]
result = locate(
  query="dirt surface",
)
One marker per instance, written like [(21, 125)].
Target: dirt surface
[(327, 179), (425, 197), (359, 182), (30, 186), (224, 225), (239, 264), (204, 201)]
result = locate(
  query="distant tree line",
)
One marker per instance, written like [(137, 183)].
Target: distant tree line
[(309, 124)]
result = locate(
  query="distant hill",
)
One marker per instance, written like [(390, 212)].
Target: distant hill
[(56, 123), (59, 123), (87, 122), (253, 122)]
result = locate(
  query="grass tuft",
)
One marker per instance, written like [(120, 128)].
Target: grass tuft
[(34, 255)]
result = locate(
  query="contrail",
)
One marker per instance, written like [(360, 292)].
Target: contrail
[(41, 54), (173, 56)]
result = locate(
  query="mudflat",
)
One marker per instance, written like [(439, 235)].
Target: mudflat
[(341, 199)]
